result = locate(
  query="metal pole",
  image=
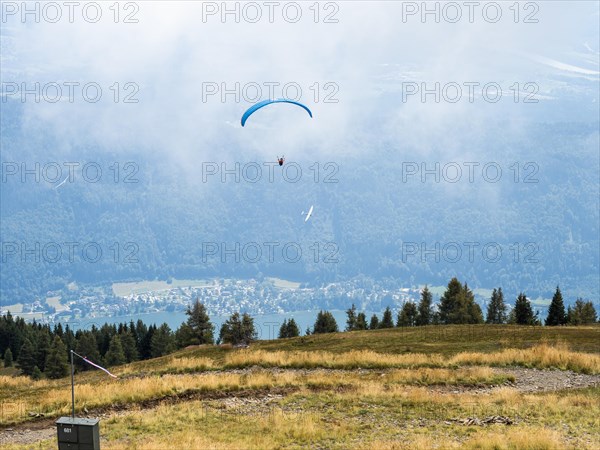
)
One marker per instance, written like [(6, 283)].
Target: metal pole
[(72, 387)]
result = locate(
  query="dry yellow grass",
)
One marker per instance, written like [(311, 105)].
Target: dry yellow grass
[(503, 401), (522, 438), (541, 356), (53, 397), (416, 443), (20, 382), (135, 390), (189, 364), (172, 365), (352, 359), (265, 431), (334, 419), (193, 425), (56, 399)]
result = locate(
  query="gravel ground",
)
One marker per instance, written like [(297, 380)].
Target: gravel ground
[(528, 381), (538, 380)]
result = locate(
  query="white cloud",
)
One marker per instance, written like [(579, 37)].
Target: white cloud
[(171, 52)]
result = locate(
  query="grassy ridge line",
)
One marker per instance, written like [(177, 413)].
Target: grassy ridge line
[(541, 356), (437, 341), (309, 353), (444, 339)]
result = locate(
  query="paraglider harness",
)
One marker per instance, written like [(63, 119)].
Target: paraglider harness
[(281, 160)]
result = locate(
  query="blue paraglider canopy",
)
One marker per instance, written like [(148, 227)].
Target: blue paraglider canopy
[(264, 103)]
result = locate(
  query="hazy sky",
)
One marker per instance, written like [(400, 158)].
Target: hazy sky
[(179, 52)]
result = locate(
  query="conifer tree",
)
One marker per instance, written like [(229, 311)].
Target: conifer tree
[(36, 374), (582, 313), (496, 312), (407, 317), (523, 313), (146, 342), (425, 308), (458, 306), (69, 339), (87, 347), (474, 313), (129, 345), (374, 322), (141, 330), (361, 321), (283, 330), (556, 311), (448, 302), (292, 329), (56, 360), (114, 355), (163, 341), (325, 323), (249, 333), (8, 358), (238, 330), (26, 359), (202, 330), (388, 320), (42, 345), (351, 321), (289, 329)]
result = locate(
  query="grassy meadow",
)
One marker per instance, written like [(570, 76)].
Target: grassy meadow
[(381, 389)]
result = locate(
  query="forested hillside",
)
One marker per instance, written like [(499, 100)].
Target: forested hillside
[(375, 216)]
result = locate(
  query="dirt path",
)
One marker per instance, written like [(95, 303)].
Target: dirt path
[(26, 436), (537, 380), (529, 381), (526, 381)]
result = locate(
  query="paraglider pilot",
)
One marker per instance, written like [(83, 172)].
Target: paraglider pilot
[(281, 160)]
